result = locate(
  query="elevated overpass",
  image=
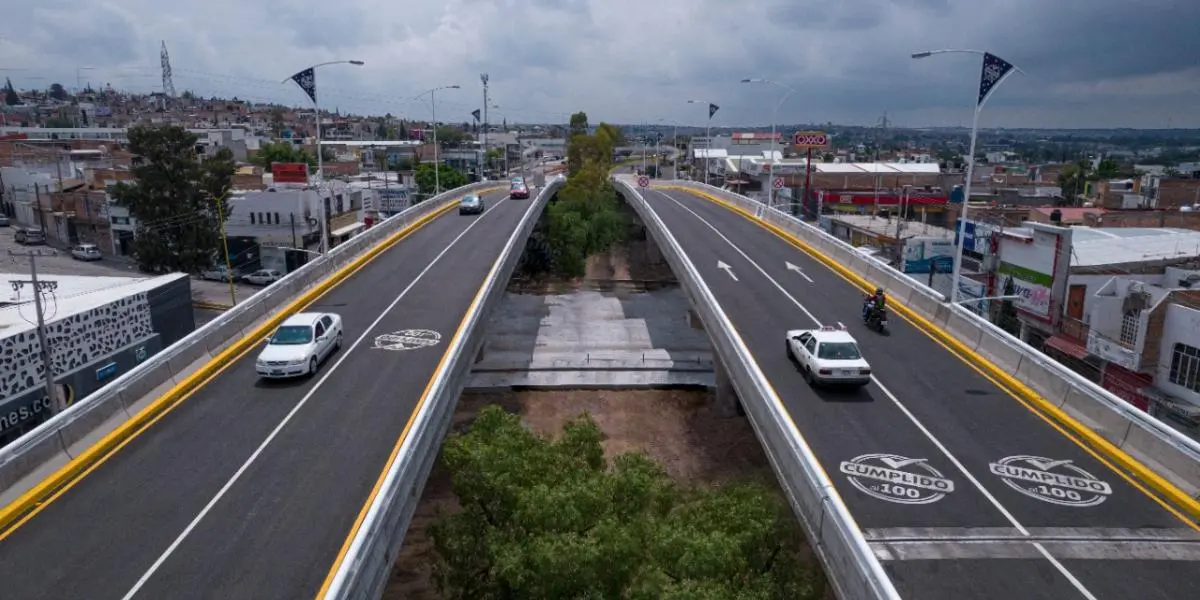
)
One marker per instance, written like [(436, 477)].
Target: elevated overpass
[(960, 489), (926, 485), (248, 489)]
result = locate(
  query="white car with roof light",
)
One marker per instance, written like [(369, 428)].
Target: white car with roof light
[(828, 355), (300, 344)]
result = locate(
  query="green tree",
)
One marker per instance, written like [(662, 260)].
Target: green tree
[(585, 218), (548, 518), (10, 93), (1073, 180), (450, 137), (427, 178), (282, 152), (1107, 169), (58, 92), (1006, 316), (173, 198)]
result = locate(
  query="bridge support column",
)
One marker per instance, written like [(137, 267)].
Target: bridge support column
[(723, 395), (481, 354)]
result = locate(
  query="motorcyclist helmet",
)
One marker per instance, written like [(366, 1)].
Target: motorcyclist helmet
[(878, 291)]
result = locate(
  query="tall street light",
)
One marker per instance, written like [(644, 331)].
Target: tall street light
[(995, 71), (707, 134), (437, 164), (307, 80), (774, 118)]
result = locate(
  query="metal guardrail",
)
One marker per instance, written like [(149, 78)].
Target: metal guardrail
[(832, 531), (1168, 452), (87, 416), (368, 562)]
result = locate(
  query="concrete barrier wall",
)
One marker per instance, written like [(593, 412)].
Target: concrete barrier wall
[(831, 530), (1164, 453), (58, 440), (368, 562)]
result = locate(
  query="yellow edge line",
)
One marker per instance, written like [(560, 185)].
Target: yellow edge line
[(29, 504), (1083, 435), (362, 513)]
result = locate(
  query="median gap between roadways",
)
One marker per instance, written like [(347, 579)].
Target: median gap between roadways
[(681, 430)]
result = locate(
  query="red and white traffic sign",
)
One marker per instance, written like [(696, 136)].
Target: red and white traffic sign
[(643, 181), (778, 183), (810, 139)]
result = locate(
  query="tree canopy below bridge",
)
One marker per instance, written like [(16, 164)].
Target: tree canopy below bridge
[(546, 518)]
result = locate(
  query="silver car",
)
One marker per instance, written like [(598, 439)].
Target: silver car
[(470, 204)]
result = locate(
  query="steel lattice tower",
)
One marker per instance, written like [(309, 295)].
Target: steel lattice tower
[(168, 84)]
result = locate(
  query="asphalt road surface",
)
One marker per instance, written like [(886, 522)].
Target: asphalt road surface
[(248, 489), (961, 490)]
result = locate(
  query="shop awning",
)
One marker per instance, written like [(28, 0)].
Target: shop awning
[(348, 229), (1067, 346)]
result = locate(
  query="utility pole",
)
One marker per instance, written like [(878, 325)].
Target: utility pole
[(483, 77), (43, 339)]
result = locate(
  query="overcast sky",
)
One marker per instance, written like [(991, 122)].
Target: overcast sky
[(1089, 63)]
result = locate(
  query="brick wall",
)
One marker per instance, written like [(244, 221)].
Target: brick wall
[(1173, 193)]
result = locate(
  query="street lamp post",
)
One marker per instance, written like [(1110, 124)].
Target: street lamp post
[(310, 87), (995, 71), (774, 118), (437, 163), (707, 136)]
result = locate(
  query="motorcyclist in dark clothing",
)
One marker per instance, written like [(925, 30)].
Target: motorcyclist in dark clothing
[(876, 301)]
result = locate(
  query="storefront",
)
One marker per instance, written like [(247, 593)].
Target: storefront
[(21, 414)]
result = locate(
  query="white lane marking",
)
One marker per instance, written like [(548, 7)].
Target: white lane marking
[(728, 269), (904, 409), (792, 267), (278, 428)]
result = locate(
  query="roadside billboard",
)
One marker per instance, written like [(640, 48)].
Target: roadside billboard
[(290, 172), (923, 254), (1036, 260)]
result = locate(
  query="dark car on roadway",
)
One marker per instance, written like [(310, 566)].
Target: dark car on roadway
[(470, 205), (519, 190)]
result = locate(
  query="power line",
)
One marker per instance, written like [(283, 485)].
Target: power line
[(43, 339)]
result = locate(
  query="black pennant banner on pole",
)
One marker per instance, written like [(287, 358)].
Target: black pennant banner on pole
[(307, 80), (475, 113), (712, 109), (995, 69)]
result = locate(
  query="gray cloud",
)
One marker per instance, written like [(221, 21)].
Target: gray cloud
[(1087, 62)]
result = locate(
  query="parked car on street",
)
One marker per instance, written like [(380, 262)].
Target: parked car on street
[(86, 252), (263, 277), (29, 236), (219, 273)]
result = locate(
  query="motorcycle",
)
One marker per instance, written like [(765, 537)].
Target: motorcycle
[(876, 319)]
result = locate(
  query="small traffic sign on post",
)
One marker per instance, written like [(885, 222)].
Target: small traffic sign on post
[(778, 183), (643, 181), (810, 139)]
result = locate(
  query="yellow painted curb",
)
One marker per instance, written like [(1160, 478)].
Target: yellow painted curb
[(206, 305), (40, 495), (1022, 392)]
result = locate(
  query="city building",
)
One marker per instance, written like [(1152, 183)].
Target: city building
[(98, 328)]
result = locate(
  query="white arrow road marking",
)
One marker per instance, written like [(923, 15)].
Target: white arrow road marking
[(728, 269), (792, 267)]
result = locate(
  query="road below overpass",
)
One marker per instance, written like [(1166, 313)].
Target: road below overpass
[(249, 489), (960, 489)]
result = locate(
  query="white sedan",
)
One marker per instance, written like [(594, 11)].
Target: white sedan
[(263, 277), (828, 355), (300, 344)]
